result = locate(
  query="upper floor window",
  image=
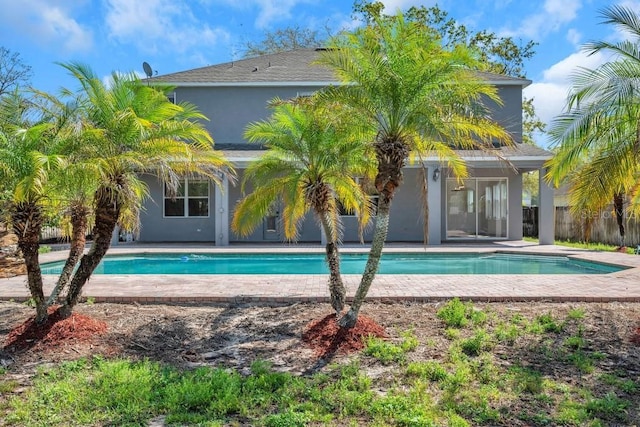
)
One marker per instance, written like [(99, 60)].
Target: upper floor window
[(191, 199)]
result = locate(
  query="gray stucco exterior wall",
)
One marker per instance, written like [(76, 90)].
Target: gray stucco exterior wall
[(405, 217), (157, 228), (309, 230), (509, 114), (231, 109)]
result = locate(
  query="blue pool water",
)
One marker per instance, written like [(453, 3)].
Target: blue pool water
[(398, 263)]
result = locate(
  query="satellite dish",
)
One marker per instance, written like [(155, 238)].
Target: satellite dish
[(147, 69)]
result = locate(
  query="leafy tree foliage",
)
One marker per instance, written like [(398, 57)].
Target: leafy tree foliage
[(498, 54), (13, 72), (418, 96), (133, 129), (91, 151), (26, 164), (531, 123), (284, 39), (311, 164)]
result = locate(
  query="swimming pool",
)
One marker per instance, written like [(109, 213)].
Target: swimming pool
[(391, 263)]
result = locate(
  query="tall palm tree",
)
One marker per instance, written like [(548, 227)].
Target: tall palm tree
[(132, 129), (419, 98), (25, 169), (598, 135), (312, 162)]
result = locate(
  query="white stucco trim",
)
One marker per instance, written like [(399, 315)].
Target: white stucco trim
[(221, 206)]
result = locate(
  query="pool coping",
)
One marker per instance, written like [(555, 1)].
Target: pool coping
[(621, 286)]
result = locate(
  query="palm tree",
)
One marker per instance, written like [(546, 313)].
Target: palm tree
[(71, 189), (312, 162), (598, 136), (74, 190), (25, 169), (419, 98), (131, 129)]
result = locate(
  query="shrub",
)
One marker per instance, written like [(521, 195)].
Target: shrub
[(454, 314)]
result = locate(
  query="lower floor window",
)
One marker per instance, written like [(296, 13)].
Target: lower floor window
[(190, 200)]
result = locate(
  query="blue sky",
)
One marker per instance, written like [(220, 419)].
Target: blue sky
[(176, 35)]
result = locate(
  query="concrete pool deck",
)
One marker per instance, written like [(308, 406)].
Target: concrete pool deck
[(622, 286)]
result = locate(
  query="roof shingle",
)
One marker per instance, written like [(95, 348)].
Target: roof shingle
[(293, 66)]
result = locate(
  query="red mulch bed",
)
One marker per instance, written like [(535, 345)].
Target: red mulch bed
[(55, 332), (326, 337)]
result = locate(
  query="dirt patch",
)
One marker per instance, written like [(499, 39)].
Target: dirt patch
[(237, 335)]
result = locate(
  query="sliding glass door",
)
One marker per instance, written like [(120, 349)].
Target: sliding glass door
[(477, 208)]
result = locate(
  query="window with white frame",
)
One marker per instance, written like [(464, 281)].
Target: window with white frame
[(190, 200)]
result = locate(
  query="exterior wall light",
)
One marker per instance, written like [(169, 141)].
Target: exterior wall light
[(436, 174)]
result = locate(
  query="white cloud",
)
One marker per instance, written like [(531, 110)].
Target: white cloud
[(107, 79), (391, 6), (562, 10), (67, 29), (160, 25), (631, 4), (553, 15), (550, 94), (48, 22), (561, 71), (273, 10), (574, 36), (548, 99), (270, 12)]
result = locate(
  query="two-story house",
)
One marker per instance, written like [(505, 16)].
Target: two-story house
[(485, 206)]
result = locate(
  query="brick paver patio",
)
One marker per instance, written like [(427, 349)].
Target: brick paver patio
[(620, 286)]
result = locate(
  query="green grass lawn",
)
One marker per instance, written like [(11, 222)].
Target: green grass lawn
[(602, 247), (495, 369)]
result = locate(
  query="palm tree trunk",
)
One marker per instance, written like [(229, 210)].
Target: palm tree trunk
[(26, 218), (391, 152), (373, 261), (336, 286), (107, 211), (618, 205), (79, 214)]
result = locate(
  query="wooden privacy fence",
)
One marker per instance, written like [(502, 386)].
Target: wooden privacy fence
[(51, 233), (604, 227)]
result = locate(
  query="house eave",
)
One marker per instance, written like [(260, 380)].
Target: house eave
[(251, 84), (300, 83), (521, 162)]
